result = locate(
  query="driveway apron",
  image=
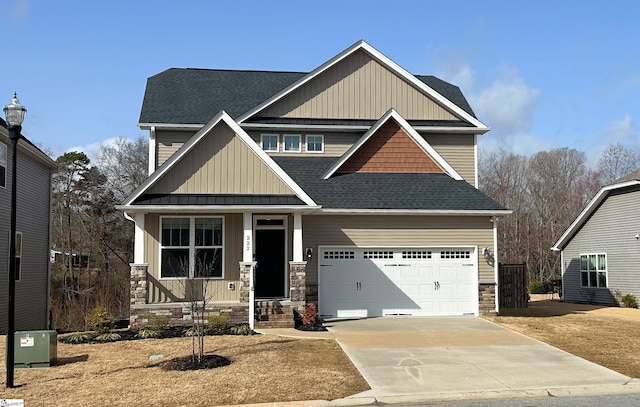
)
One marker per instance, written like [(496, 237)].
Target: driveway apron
[(407, 355)]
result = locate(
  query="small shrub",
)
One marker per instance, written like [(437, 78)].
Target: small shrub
[(537, 287), (241, 329), (78, 337), (159, 322), (218, 324), (193, 331), (629, 301), (108, 337), (310, 315), (100, 320), (146, 333)]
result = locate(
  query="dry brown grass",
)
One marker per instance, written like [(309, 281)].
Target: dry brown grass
[(608, 336), (264, 368)]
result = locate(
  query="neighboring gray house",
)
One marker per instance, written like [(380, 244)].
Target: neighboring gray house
[(35, 170), (352, 186), (601, 249)]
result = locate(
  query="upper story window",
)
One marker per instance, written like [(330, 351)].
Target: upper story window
[(593, 270), (18, 255), (3, 165), (315, 143), (269, 142), (292, 143)]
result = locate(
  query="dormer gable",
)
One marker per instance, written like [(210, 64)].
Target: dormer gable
[(391, 145)]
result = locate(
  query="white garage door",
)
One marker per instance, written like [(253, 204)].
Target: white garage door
[(372, 282)]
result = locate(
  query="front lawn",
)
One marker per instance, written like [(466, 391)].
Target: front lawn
[(608, 336), (264, 368)]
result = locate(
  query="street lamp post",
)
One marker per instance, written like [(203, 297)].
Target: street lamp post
[(14, 113)]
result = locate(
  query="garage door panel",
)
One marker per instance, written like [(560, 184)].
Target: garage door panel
[(377, 282)]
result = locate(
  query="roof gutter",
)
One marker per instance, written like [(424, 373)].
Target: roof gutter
[(216, 208), (434, 212)]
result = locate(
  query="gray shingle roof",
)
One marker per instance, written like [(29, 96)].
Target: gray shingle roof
[(194, 96), (383, 190), (218, 199)]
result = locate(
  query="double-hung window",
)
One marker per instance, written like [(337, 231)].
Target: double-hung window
[(593, 270), (191, 247), (315, 143), (269, 142), (292, 143), (3, 165)]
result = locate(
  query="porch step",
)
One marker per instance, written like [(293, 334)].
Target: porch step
[(275, 324), (272, 314)]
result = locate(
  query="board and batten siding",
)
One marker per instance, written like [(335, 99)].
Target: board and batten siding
[(358, 87), (397, 231), (172, 290), (458, 150), (168, 142), (222, 163), (611, 230), (33, 210)]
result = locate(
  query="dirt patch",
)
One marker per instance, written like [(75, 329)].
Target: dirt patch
[(608, 336), (264, 368)]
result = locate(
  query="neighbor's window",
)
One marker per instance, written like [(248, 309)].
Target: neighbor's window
[(3, 165), (18, 256), (269, 142), (191, 248), (315, 143), (593, 270), (292, 143)]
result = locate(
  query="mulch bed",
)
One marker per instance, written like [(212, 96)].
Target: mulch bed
[(187, 363)]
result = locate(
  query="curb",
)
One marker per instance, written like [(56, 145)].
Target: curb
[(632, 386)]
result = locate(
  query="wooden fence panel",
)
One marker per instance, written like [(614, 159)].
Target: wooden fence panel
[(512, 287)]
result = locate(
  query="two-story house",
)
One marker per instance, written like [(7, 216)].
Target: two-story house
[(352, 186), (33, 215)]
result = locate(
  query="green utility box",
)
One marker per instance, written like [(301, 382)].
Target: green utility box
[(36, 348)]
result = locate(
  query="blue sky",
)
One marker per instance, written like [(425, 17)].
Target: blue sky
[(541, 74)]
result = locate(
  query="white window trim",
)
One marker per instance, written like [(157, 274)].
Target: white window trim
[(277, 149), (284, 143), (306, 143), (5, 165), (191, 247), (605, 271)]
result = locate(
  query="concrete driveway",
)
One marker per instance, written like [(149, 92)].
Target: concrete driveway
[(464, 355)]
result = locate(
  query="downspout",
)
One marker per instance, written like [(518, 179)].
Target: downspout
[(152, 149), (48, 319), (475, 159), (496, 262)]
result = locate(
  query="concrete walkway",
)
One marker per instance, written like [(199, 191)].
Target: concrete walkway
[(412, 360)]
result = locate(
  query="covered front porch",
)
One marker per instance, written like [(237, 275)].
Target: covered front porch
[(263, 276)]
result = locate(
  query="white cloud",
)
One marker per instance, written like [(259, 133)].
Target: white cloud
[(19, 11), (507, 106), (624, 131), (91, 150)]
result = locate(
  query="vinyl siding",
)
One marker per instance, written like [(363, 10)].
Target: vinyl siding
[(168, 142), (357, 87), (160, 290), (221, 163), (611, 230), (458, 151), (32, 219), (409, 231)]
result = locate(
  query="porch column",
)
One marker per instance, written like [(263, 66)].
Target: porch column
[(247, 267), (138, 249), (297, 237)]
